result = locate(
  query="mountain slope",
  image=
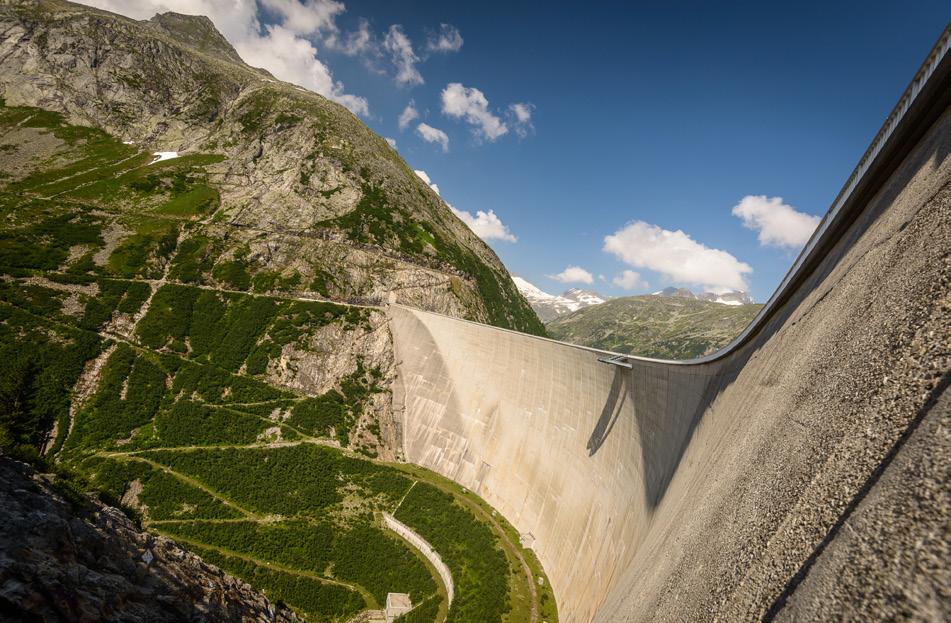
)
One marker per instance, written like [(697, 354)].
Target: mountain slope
[(665, 327), (237, 423), (201, 337), (311, 199)]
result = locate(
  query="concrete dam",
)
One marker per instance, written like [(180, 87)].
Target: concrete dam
[(764, 481)]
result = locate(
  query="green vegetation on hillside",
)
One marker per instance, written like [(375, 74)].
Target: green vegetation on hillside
[(468, 548), (313, 598), (41, 362), (376, 221), (140, 360), (654, 326)]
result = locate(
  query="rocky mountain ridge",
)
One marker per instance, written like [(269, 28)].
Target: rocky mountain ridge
[(550, 306), (308, 192), (731, 297)]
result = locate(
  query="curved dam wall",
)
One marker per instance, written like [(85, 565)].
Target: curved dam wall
[(575, 452), (701, 490)]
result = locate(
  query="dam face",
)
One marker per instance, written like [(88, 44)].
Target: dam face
[(717, 488)]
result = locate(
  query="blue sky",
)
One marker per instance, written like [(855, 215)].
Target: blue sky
[(649, 122)]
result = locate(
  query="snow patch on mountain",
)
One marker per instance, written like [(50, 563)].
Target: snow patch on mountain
[(735, 297), (164, 155)]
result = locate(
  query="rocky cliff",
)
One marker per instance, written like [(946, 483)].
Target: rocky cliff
[(201, 335), (80, 560), (309, 195)]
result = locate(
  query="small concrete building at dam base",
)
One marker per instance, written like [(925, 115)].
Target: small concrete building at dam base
[(799, 474)]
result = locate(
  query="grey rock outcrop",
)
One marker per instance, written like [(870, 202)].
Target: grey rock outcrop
[(294, 164), (85, 561)]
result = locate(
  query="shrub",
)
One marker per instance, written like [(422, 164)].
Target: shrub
[(320, 600), (129, 393), (468, 547), (189, 423)]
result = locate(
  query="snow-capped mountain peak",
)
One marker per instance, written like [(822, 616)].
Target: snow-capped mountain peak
[(585, 297), (549, 306)]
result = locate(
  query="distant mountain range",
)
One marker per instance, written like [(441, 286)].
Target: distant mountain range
[(733, 297), (666, 326), (673, 323), (552, 306)]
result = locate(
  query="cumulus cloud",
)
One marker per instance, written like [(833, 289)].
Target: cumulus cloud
[(422, 175), (776, 223), (448, 39), (522, 112), (471, 104), (433, 135), (485, 225), (408, 115), (358, 42), (629, 280), (677, 257), (390, 141), (573, 274), (310, 17), (281, 48), (400, 49)]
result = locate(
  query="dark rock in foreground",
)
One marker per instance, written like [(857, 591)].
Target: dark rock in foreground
[(88, 562)]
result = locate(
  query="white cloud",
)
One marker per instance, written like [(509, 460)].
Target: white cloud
[(360, 41), (777, 224), (310, 17), (280, 48), (471, 104), (677, 257), (629, 280), (573, 274), (521, 117), (401, 53), (523, 112), (409, 113), (422, 175), (433, 135), (390, 141), (448, 39), (485, 225)]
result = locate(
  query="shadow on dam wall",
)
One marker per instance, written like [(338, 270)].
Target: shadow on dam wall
[(617, 472)]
